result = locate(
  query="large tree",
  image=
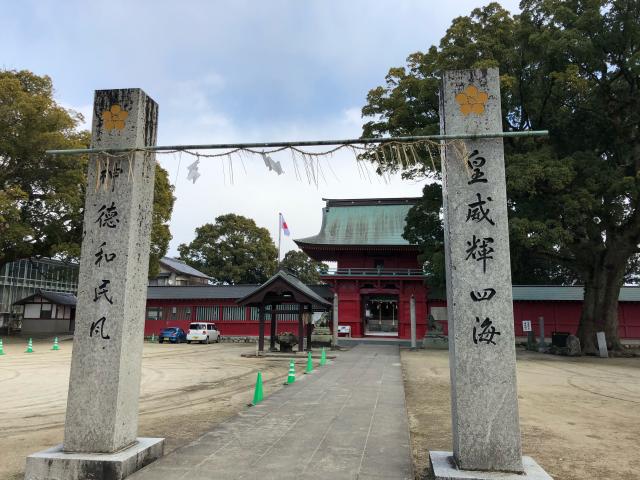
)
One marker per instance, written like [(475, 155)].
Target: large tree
[(42, 197), (424, 228), (303, 266), (232, 250), (163, 201), (572, 67)]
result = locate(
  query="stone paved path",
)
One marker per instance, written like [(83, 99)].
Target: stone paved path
[(344, 421)]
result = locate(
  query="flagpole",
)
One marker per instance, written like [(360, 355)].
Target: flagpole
[(279, 235)]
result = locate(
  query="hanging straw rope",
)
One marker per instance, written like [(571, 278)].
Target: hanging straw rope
[(389, 155)]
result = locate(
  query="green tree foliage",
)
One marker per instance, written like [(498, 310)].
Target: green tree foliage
[(163, 201), (232, 250), (571, 67), (42, 197), (304, 267), (424, 228)]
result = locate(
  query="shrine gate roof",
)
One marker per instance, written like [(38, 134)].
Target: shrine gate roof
[(370, 221)]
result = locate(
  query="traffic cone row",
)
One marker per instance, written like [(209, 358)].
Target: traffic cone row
[(323, 361), (29, 349), (258, 394)]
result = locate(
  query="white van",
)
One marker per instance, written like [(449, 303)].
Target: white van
[(203, 332)]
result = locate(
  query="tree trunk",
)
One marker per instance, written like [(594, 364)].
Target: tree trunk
[(600, 306)]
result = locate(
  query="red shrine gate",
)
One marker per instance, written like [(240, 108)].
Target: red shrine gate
[(377, 270)]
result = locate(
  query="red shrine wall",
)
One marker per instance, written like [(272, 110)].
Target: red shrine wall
[(559, 316), (562, 316), (232, 321)]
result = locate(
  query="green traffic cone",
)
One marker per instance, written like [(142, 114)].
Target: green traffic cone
[(309, 364), (258, 394), (1, 348), (292, 373), (55, 344), (29, 347), (323, 358)]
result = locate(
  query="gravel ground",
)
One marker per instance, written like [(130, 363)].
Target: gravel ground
[(186, 389), (579, 417)]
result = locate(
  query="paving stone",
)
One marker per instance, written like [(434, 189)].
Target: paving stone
[(348, 434)]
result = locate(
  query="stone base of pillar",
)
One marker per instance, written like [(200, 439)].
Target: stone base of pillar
[(53, 463), (444, 468)]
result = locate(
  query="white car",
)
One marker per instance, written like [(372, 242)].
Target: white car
[(203, 332)]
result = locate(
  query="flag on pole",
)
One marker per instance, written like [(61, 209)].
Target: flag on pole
[(284, 226)]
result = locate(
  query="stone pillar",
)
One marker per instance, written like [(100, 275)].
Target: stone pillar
[(300, 327), (335, 320), (602, 345), (542, 345), (274, 326), (104, 384), (412, 308), (261, 329), (486, 429), (531, 340), (309, 327)]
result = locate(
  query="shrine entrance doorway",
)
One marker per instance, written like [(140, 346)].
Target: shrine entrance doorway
[(380, 315)]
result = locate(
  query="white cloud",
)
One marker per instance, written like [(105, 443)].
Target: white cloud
[(240, 71)]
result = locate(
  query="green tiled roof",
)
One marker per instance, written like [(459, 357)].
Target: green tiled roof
[(378, 221)]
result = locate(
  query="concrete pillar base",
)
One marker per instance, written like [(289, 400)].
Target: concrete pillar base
[(54, 464), (444, 468)]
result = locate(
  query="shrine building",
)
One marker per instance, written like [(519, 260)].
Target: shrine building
[(375, 273), (377, 269)]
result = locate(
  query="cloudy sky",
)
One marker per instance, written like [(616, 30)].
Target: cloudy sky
[(235, 71)]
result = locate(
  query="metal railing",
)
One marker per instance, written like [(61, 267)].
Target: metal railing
[(383, 272)]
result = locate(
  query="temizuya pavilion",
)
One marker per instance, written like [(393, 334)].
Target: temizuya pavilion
[(284, 289)]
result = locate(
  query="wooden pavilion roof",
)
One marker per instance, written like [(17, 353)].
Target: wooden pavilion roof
[(284, 287)]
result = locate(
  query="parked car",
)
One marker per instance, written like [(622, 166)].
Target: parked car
[(172, 335), (203, 332)]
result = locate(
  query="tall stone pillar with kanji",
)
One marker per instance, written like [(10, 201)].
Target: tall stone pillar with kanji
[(104, 385), (484, 400)]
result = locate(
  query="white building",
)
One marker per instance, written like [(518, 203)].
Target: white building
[(24, 277), (48, 313), (175, 272)]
